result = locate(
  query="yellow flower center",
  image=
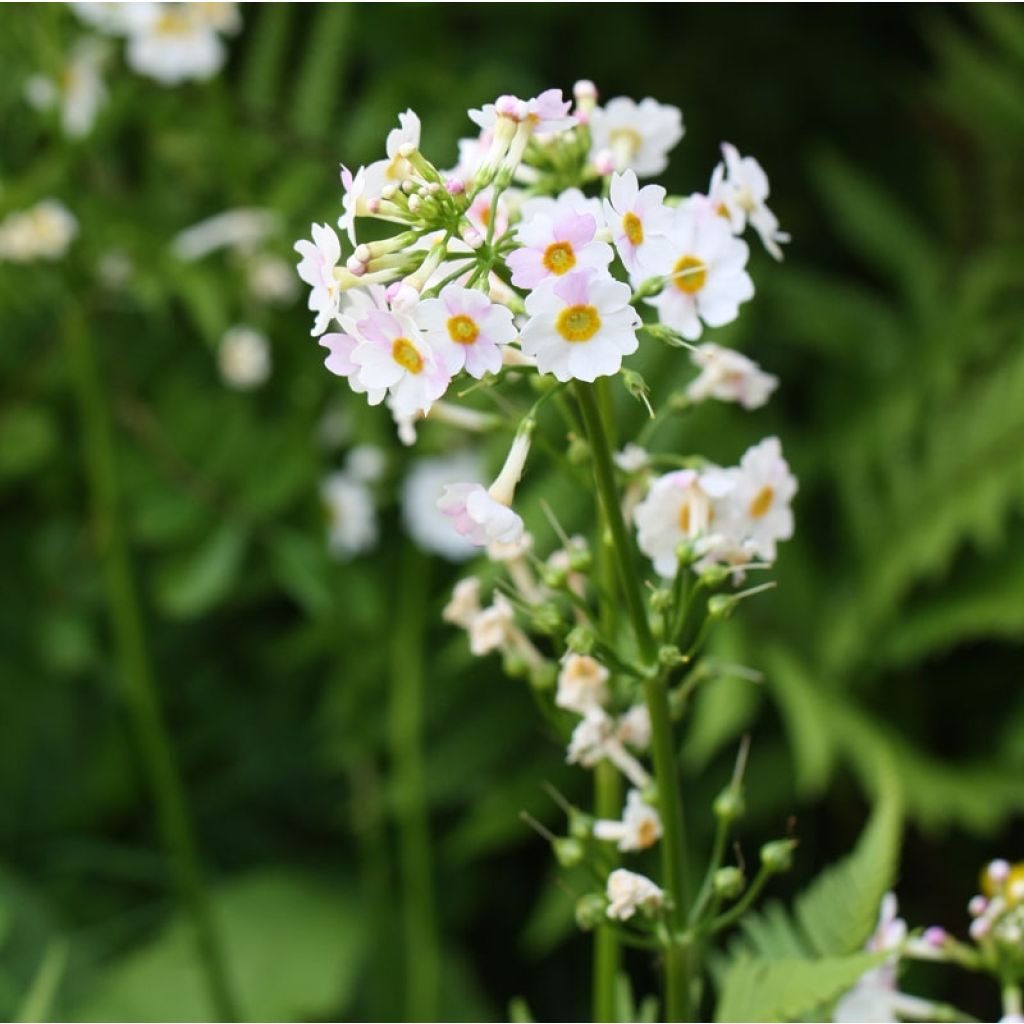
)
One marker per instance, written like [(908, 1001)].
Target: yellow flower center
[(578, 323), (463, 329), (633, 228), (690, 274), (559, 258), (626, 141), (684, 517), (405, 353), (762, 502), (646, 834)]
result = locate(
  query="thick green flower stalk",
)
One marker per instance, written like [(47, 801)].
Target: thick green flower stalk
[(526, 275)]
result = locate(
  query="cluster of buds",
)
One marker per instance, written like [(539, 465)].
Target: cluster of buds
[(997, 925)]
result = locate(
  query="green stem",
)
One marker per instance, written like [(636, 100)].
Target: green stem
[(140, 689), (673, 843), (735, 912), (422, 941)]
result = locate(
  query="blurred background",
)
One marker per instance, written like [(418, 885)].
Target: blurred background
[(289, 671)]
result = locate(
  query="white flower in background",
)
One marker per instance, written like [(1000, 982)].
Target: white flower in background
[(42, 232), (571, 200), (393, 354), (353, 201), (494, 628), (114, 18), (679, 507), (271, 279), (243, 358), (552, 247), (580, 326), (739, 192), (241, 229), (729, 376), (632, 458), (705, 273), (395, 168), (582, 684), (477, 516), (640, 224), (757, 507), (178, 42), (464, 605), (318, 269), (351, 515), (594, 740), (639, 829), (629, 892), (637, 135), (424, 521), (466, 329), (634, 727), (367, 463), (79, 90)]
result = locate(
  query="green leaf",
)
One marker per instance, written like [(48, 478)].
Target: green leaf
[(323, 65), (28, 438), (293, 947), (299, 564), (191, 585), (787, 989)]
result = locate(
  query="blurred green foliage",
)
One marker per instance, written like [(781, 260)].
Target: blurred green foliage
[(895, 635)]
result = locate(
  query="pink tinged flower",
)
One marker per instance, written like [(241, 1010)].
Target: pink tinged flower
[(319, 260), (552, 206), (395, 168), (640, 223), (547, 112), (740, 194), (353, 201), (466, 329), (635, 135), (553, 247), (394, 356), (478, 517), (706, 280), (729, 376), (580, 326)]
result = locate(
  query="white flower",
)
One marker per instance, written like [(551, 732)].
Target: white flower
[(552, 247), (366, 463), (679, 507), (629, 892), (705, 276), (582, 684), (395, 168), (114, 18), (177, 42), (241, 229), (477, 516), (270, 279), (739, 192), (594, 740), (571, 200), (425, 522), (243, 358), (79, 90), (634, 727), (464, 605), (639, 829), (547, 112), (317, 268), (42, 232), (580, 326), (393, 354), (729, 376), (466, 329), (640, 223), (757, 507), (494, 628), (632, 458), (351, 516), (638, 135)]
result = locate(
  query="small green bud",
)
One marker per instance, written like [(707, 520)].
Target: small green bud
[(591, 911), (543, 677), (579, 452), (580, 559), (729, 883), (686, 552), (515, 666), (547, 619), (669, 656), (661, 599), (581, 826), (716, 575), (721, 606), (637, 387), (568, 851), (553, 577), (651, 286), (581, 640), (729, 804), (778, 855), (679, 401)]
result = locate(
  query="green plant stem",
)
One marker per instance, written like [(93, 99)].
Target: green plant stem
[(678, 958), (735, 912), (139, 684), (408, 791)]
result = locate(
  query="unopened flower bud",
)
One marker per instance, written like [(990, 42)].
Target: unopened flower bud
[(721, 606), (977, 905), (728, 883), (685, 552), (581, 640), (637, 387), (579, 451), (543, 677), (455, 186), (604, 163), (515, 666), (568, 851), (590, 911), (729, 804), (669, 656), (355, 266), (409, 187), (661, 599), (580, 559), (715, 575), (554, 576), (935, 936), (547, 619), (373, 205), (415, 203), (777, 856), (389, 192)]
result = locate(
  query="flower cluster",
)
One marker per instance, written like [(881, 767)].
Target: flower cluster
[(42, 232)]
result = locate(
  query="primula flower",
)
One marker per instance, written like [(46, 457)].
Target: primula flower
[(318, 269), (243, 358), (466, 329), (629, 892), (637, 135), (395, 168), (174, 43), (241, 230), (639, 829), (494, 628), (705, 279), (594, 740), (552, 247), (353, 200), (393, 354), (758, 504), (739, 192), (679, 507), (42, 232), (464, 605), (580, 326), (634, 727), (351, 515), (79, 89), (729, 376), (424, 521), (582, 684), (547, 112), (572, 199), (640, 223)]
